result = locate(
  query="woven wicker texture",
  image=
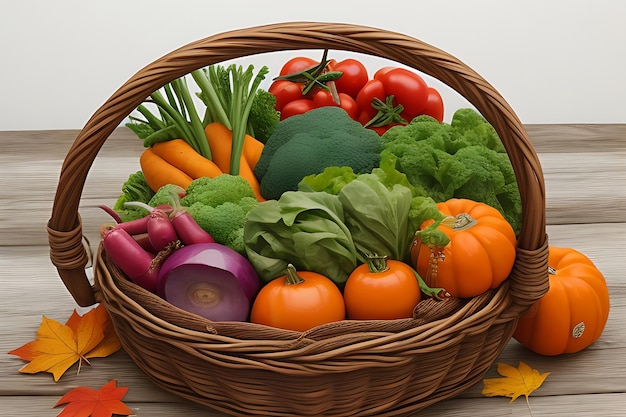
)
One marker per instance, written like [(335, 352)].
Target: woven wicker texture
[(349, 368)]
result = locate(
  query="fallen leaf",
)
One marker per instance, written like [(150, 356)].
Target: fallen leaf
[(522, 380), (59, 346), (85, 402)]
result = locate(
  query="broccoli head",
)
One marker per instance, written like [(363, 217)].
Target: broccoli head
[(220, 206), (218, 190), (464, 159), (305, 144)]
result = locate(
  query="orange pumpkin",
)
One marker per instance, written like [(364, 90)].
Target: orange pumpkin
[(479, 256), (573, 313), (299, 300)]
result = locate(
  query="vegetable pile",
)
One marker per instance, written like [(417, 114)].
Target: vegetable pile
[(330, 196)]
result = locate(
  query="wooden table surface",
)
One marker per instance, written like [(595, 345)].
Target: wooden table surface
[(585, 173)]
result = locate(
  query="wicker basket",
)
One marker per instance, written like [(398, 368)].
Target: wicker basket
[(368, 368)]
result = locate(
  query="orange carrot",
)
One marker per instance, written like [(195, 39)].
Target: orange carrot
[(252, 149), (245, 171), (220, 140), (180, 154), (159, 172)]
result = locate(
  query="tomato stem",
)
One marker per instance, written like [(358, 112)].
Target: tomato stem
[(316, 76), (377, 263), (387, 113), (291, 276)]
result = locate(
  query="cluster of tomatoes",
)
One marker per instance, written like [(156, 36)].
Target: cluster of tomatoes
[(393, 96)]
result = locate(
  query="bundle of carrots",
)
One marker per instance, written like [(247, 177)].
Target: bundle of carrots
[(180, 147)]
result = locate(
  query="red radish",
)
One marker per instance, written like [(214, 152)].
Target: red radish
[(137, 263), (144, 242), (210, 280), (188, 231), (135, 227), (160, 230)]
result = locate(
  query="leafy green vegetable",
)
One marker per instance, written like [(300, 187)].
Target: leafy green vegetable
[(135, 188), (305, 229), (305, 144), (377, 216), (382, 209), (463, 159)]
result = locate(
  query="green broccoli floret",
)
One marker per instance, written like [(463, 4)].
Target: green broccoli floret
[(218, 190), (224, 223), (167, 194), (220, 206), (465, 159), (263, 116), (305, 144), (135, 188), (473, 129)]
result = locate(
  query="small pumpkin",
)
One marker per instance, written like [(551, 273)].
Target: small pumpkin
[(479, 256), (574, 311), (298, 300)]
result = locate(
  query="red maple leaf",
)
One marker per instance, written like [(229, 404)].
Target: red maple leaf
[(105, 402)]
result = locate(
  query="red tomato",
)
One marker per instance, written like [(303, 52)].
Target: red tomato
[(294, 107), (323, 98), (353, 78), (372, 89), (408, 88), (297, 64), (285, 91), (434, 105), (382, 71)]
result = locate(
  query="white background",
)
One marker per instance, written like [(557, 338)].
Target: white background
[(554, 61)]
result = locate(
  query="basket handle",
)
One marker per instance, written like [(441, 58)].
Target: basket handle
[(64, 227)]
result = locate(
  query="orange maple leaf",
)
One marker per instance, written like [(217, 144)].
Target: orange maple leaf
[(85, 402), (59, 346), (522, 380)]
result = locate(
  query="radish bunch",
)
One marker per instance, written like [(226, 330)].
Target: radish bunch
[(140, 246)]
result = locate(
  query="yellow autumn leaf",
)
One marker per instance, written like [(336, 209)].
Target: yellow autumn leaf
[(522, 380), (58, 346)]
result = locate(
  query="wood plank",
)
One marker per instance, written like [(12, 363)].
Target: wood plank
[(577, 137), (605, 405)]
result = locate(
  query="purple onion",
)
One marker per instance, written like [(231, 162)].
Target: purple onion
[(211, 280)]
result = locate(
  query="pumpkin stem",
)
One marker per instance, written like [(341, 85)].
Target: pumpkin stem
[(463, 221), (436, 293), (551, 271), (377, 263), (291, 276)]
